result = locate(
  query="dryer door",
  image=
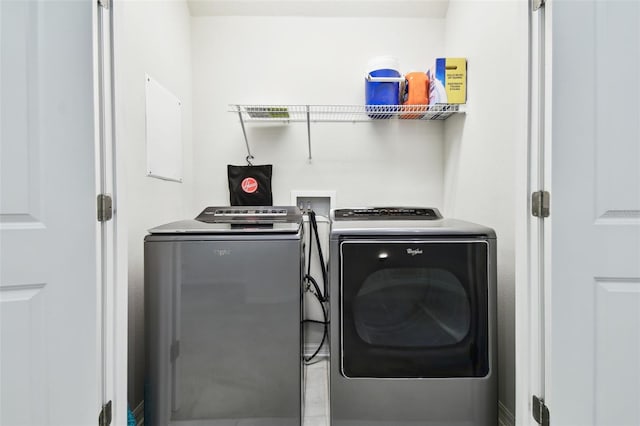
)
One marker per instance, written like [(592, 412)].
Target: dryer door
[(414, 309)]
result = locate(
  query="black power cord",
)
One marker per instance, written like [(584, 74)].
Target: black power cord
[(321, 296), (323, 267), (325, 332)]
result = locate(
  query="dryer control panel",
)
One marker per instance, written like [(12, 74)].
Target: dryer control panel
[(387, 213)]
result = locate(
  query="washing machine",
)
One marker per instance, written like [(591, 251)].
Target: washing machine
[(413, 319), (223, 319)]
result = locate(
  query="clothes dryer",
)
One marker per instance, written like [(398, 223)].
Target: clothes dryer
[(413, 322), (222, 319)]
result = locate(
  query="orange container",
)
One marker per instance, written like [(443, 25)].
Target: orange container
[(415, 95)]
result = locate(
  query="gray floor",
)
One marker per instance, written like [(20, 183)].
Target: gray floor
[(316, 398)]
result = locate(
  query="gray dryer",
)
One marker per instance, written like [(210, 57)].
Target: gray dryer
[(222, 319), (413, 319)]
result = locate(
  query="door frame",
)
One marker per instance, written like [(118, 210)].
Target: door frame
[(112, 304), (533, 237)]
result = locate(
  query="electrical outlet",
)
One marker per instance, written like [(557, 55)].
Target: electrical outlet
[(321, 202)]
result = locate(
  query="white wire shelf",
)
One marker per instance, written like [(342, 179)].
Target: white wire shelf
[(338, 113), (341, 113)]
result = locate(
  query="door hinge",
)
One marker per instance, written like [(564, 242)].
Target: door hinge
[(105, 415), (540, 201), (540, 411), (105, 207), (537, 4), (105, 3)]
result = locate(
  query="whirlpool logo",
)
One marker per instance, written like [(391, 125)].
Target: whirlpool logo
[(222, 252), (414, 252)]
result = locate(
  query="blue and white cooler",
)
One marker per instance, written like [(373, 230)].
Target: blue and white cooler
[(382, 86)]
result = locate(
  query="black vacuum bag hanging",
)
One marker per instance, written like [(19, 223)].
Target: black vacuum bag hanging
[(250, 185)]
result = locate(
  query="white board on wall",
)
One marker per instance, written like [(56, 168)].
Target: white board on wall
[(163, 114)]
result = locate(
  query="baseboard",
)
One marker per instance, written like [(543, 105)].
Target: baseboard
[(138, 413), (505, 418)]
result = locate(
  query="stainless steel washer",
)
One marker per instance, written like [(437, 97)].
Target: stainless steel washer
[(413, 319), (222, 319)]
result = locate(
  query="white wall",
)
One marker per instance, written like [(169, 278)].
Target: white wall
[(480, 149), (305, 60), (153, 38)]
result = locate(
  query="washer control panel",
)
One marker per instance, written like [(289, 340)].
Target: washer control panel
[(250, 215), (243, 212), (387, 213)]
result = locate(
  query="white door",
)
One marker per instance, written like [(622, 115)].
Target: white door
[(593, 357), (50, 319)]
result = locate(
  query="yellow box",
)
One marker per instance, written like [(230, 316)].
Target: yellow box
[(448, 81)]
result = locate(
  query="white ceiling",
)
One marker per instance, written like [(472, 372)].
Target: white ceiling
[(321, 8)]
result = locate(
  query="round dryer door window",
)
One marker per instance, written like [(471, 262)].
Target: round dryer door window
[(412, 308)]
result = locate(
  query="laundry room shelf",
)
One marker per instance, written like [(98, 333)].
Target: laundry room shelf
[(339, 113)]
